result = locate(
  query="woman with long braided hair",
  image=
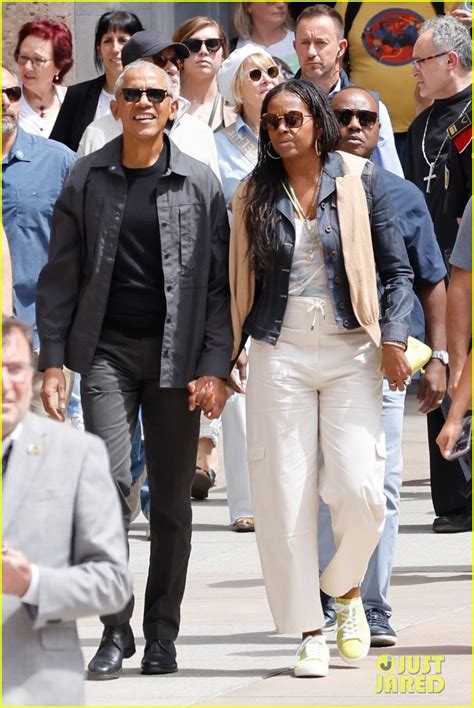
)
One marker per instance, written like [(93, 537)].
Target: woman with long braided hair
[(311, 228)]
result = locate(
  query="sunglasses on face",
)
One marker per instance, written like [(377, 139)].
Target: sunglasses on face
[(212, 45), (154, 95), (292, 119), (161, 61), (13, 94), (256, 74), (367, 119)]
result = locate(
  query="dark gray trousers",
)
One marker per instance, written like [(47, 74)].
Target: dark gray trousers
[(125, 375)]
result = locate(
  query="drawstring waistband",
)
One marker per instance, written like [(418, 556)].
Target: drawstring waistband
[(317, 306)]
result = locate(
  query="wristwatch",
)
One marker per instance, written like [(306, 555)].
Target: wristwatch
[(442, 356)]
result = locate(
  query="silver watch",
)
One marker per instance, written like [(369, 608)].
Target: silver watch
[(442, 356)]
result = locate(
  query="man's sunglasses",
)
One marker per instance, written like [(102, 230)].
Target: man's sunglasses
[(212, 45), (292, 119), (154, 95), (367, 119), (13, 94), (256, 74), (161, 61)]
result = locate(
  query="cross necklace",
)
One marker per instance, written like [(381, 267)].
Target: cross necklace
[(431, 175)]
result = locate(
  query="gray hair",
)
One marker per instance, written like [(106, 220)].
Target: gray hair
[(449, 34), (141, 64)]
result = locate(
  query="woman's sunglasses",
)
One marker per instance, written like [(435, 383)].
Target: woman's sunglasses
[(367, 119), (154, 95), (161, 61), (13, 94), (292, 119), (256, 74), (212, 45)]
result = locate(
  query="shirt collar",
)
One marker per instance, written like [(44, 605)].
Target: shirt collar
[(8, 440), (21, 148)]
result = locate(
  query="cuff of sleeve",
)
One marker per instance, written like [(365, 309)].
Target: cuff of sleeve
[(395, 332), (31, 596), (51, 356)]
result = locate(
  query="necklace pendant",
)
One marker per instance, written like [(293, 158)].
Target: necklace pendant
[(309, 257)]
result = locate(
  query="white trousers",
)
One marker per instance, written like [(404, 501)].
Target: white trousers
[(317, 388)]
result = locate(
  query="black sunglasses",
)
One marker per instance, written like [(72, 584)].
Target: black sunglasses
[(367, 119), (161, 61), (293, 119), (212, 45), (256, 74), (154, 95), (13, 94)]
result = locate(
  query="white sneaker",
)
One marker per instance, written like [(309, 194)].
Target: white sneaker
[(313, 658), (353, 632)]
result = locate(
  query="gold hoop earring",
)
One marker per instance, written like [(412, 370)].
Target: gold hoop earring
[(317, 148), (269, 147)]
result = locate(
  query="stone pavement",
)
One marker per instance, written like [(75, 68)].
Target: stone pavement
[(229, 654)]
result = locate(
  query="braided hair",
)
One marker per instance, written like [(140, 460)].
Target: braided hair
[(260, 214)]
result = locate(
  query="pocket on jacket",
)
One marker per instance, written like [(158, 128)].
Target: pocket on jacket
[(59, 637)]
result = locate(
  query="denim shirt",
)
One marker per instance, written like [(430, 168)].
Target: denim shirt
[(32, 178), (266, 317)]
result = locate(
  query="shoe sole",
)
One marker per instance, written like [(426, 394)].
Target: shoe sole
[(383, 641), (103, 677), (307, 673), (150, 670), (201, 487)]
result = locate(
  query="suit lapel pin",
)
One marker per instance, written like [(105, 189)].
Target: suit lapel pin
[(35, 449)]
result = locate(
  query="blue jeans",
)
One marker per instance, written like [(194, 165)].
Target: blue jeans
[(137, 466), (376, 582)]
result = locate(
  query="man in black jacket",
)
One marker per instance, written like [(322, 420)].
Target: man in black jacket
[(135, 297)]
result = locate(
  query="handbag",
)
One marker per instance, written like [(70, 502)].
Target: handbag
[(418, 354)]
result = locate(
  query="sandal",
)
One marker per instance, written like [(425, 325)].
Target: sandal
[(243, 524), (202, 482)]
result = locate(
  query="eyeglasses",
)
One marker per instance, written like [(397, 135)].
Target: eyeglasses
[(161, 61), (16, 370), (418, 62), (38, 63), (256, 74), (292, 119), (154, 95), (367, 119), (195, 45), (13, 94)]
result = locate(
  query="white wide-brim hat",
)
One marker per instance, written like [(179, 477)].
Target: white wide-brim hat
[(231, 65)]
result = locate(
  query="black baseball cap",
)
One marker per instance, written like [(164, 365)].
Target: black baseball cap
[(147, 43)]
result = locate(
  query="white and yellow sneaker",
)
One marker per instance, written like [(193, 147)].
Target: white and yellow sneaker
[(353, 632), (313, 658)]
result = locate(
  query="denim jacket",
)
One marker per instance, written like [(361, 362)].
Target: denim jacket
[(271, 295)]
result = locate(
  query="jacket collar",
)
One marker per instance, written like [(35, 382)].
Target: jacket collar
[(332, 168), (110, 156)]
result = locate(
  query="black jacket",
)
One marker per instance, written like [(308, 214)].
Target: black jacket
[(77, 111), (73, 287)]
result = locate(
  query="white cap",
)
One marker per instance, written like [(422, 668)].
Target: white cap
[(230, 67)]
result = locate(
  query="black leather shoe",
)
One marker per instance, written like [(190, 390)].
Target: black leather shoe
[(381, 633), (159, 657), (117, 644), (330, 617), (453, 523)]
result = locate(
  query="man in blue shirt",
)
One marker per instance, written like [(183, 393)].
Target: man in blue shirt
[(357, 112), (33, 173)]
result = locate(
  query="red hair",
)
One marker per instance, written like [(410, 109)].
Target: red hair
[(61, 39)]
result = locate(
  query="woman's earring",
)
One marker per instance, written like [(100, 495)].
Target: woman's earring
[(274, 157), (56, 78), (317, 148)]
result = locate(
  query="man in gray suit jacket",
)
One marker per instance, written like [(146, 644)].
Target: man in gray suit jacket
[(64, 553)]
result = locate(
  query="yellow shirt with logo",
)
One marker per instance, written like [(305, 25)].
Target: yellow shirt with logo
[(381, 43)]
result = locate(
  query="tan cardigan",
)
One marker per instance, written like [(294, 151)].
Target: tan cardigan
[(357, 250)]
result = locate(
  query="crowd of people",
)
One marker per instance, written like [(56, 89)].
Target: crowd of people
[(229, 235)]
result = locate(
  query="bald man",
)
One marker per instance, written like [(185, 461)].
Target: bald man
[(357, 113)]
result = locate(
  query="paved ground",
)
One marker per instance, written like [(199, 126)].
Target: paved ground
[(229, 654)]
